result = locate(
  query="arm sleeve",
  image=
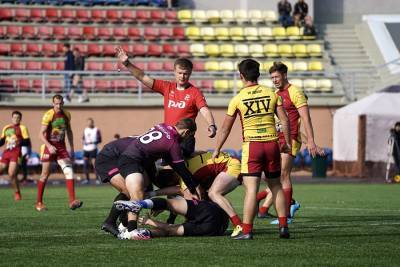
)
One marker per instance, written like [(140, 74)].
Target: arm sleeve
[(298, 97), (160, 86), (187, 177), (233, 104), (47, 117), (24, 132)]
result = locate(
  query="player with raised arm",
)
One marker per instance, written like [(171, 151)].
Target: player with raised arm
[(256, 106), (14, 136), (56, 123)]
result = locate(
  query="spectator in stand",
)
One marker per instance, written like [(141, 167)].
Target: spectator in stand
[(79, 63), (300, 12), (69, 64), (309, 29), (91, 138), (284, 10)]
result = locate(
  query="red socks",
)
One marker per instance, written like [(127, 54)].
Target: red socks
[(288, 198), (41, 185), (263, 210), (247, 228), (282, 221), (261, 195), (71, 189), (235, 220)]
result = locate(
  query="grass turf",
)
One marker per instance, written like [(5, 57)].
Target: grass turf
[(338, 224)]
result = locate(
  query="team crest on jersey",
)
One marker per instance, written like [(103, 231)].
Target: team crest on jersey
[(187, 97), (173, 104)]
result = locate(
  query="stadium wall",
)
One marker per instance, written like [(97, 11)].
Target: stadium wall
[(128, 121)]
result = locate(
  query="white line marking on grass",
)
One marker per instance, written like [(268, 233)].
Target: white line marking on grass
[(357, 209)]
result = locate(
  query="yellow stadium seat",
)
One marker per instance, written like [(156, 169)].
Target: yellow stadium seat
[(212, 50), (185, 16), (297, 82), (285, 50), (300, 50), (324, 85), (222, 33), (256, 50), (213, 16), (236, 33), (289, 65), (265, 33), (255, 16), (271, 50), (300, 66), (197, 50), (266, 82), (293, 33), (315, 66), (251, 33), (270, 16), (240, 15), (242, 50), (199, 16), (279, 33), (235, 86), (266, 65), (226, 66), (207, 33), (310, 85), (314, 50), (211, 66), (227, 16), (227, 50), (221, 86), (193, 33)]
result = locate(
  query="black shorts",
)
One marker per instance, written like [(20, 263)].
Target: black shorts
[(205, 219), (129, 165), (90, 154), (106, 166)]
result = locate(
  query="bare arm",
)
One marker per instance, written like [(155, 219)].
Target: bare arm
[(223, 134), (42, 137), (280, 112), (306, 119), (212, 129), (136, 72)]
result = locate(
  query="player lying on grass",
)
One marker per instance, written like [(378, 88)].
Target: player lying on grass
[(203, 218), (218, 177)]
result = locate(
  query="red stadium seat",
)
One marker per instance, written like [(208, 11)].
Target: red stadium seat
[(13, 31), (109, 50), (171, 16), (33, 65), (37, 86), (22, 14), (121, 34), (37, 15), (105, 33), (128, 16), (55, 86), (75, 33), (103, 85), (5, 65), (198, 66), (7, 85), (5, 49), (45, 32), (119, 85), (154, 50), (169, 50), (59, 65), (134, 33), (143, 16), (179, 33), (132, 85), (88, 84), (33, 49), (94, 66), (28, 32), (184, 50), (83, 48), (90, 33), (98, 15), (24, 85), (113, 16), (155, 66), (48, 65), (165, 33), (157, 16), (94, 49), (49, 49), (68, 15), (83, 15), (150, 33), (6, 14), (17, 49), (52, 14), (59, 33), (139, 50), (168, 66), (110, 66), (207, 85), (141, 65), (2, 32)]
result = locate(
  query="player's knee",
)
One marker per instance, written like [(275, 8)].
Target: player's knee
[(68, 172), (213, 195)]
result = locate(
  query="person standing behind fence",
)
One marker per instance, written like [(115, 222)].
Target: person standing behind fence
[(79, 64), (69, 65), (91, 138), (284, 10)]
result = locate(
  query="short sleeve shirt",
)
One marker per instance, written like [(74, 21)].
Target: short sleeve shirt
[(13, 135), (57, 124)]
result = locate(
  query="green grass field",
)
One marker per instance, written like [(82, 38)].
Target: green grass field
[(338, 225)]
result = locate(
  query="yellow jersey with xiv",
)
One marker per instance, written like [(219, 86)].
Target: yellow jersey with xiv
[(256, 107)]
